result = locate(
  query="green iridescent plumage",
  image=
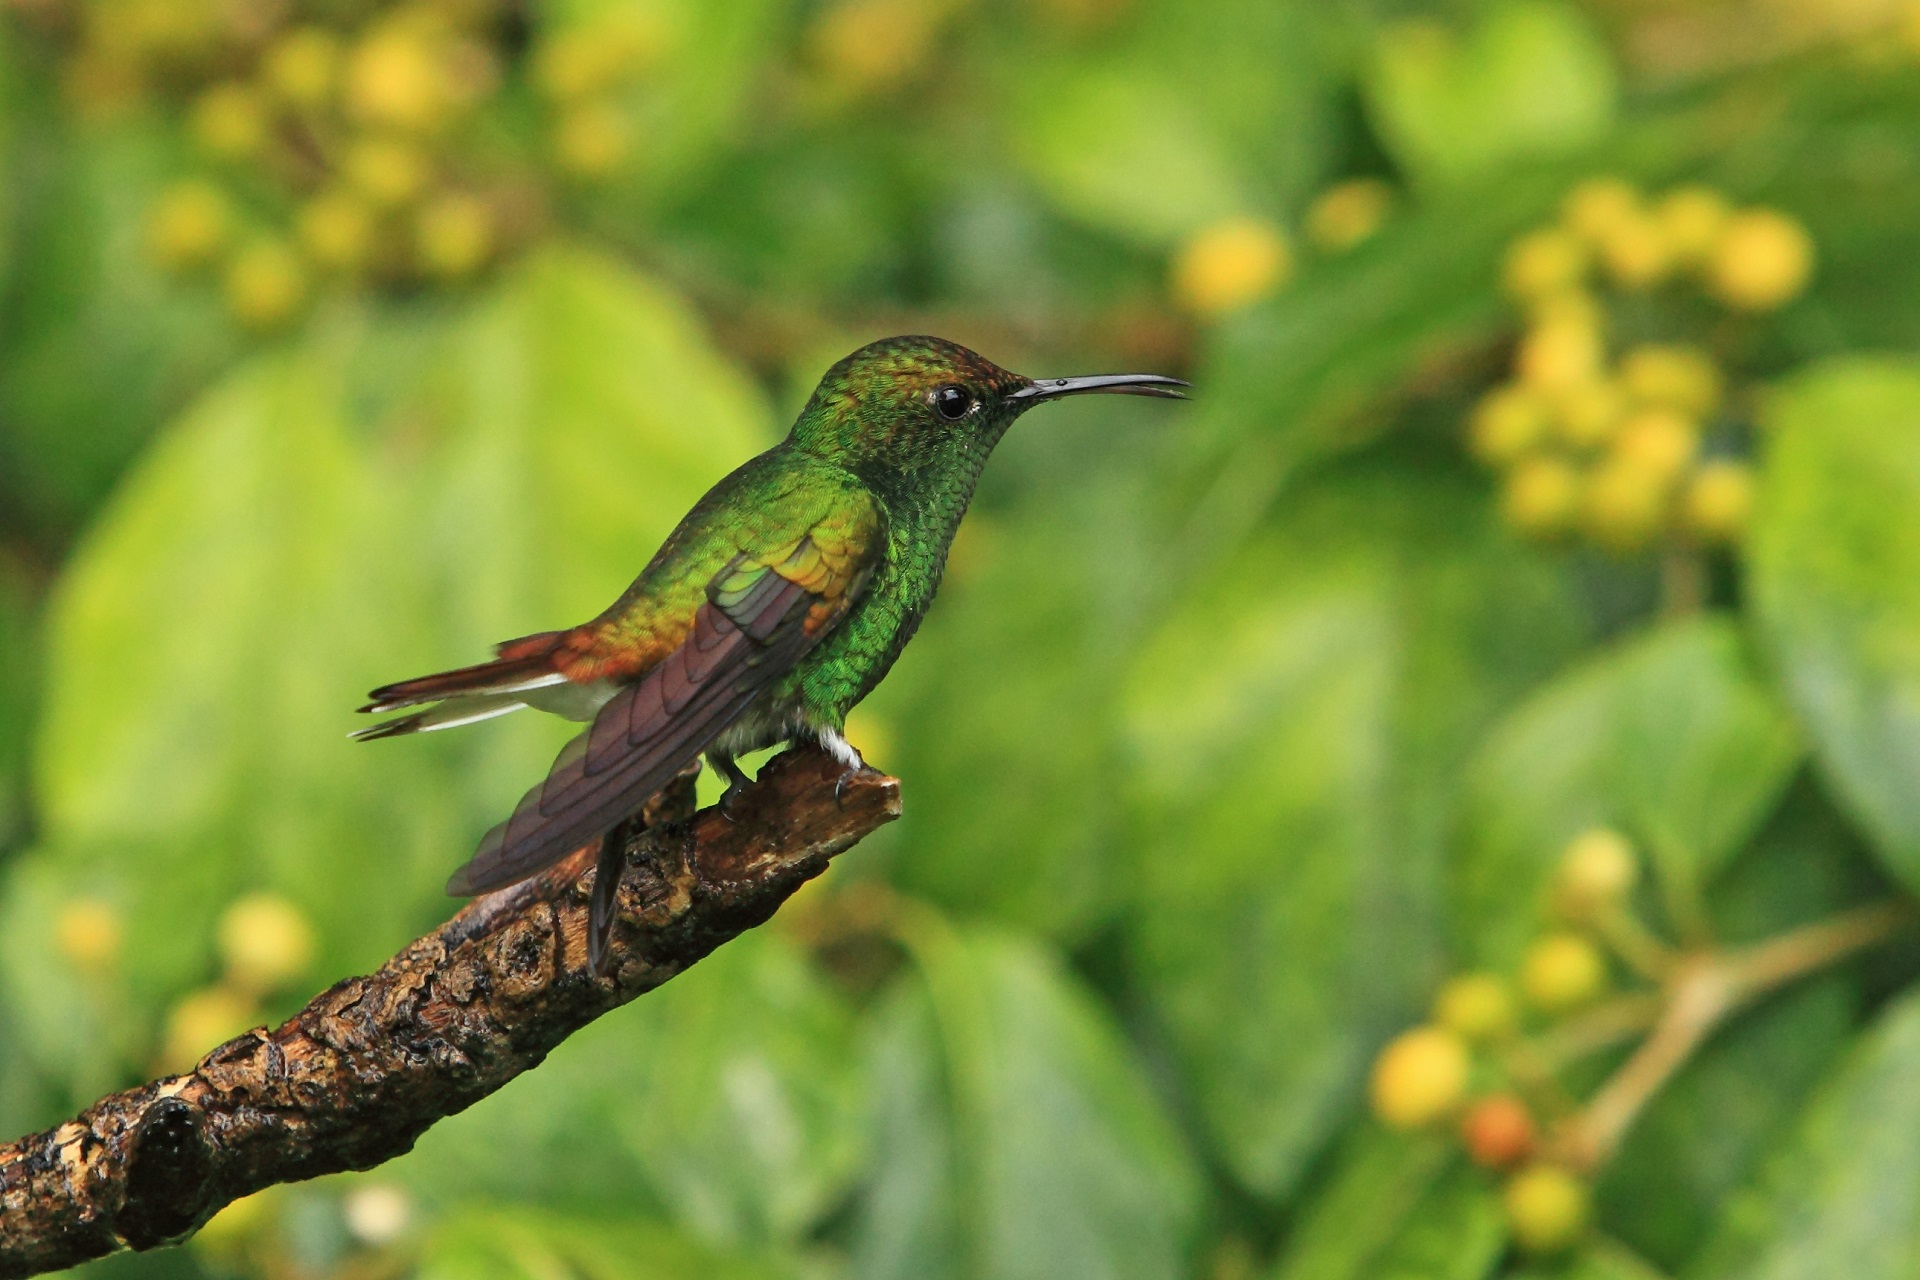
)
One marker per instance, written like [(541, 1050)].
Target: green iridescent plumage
[(777, 604)]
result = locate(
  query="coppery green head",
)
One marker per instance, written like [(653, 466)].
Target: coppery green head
[(902, 404)]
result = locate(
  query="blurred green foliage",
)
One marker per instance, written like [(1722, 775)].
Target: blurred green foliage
[(1237, 730)]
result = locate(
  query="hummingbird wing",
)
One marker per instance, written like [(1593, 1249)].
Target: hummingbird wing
[(761, 613)]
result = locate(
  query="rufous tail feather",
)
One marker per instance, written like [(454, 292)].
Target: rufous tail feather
[(467, 694)]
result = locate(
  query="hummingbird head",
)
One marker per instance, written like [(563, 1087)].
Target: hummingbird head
[(900, 406)]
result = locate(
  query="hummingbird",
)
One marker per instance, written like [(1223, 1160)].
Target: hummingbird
[(776, 605)]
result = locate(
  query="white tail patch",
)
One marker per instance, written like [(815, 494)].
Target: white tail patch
[(464, 709), (468, 710), (544, 681)]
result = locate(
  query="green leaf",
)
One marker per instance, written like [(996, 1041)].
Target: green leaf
[(1836, 584), (202, 643), (584, 412), (378, 501), (814, 215), (1842, 1198), (747, 1114), (1862, 294), (1086, 135), (1600, 1260), (22, 1106), (1296, 729), (1395, 1208), (1459, 1232), (19, 666), (81, 1037), (1529, 78), (1187, 93), (101, 345), (1667, 736), (1015, 1135), (1012, 681), (729, 1097), (513, 1242)]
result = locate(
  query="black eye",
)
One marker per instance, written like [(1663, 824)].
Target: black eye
[(952, 402)]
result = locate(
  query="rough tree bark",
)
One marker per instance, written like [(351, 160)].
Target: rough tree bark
[(355, 1077)]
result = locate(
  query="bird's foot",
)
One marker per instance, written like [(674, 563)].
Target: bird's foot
[(608, 868), (737, 781), (849, 757)]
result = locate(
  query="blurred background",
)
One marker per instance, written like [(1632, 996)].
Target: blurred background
[(1309, 790)]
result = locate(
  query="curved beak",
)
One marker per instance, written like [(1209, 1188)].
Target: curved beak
[(1120, 384)]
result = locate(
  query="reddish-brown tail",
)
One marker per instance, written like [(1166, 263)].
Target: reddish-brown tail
[(469, 693), (487, 677)]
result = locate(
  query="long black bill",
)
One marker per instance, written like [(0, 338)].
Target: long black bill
[(1119, 384)]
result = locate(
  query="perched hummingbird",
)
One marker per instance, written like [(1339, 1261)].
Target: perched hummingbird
[(775, 606)]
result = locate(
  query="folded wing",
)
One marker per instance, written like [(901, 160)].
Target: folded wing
[(763, 612)]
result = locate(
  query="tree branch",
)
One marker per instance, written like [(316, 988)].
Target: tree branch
[(355, 1077), (1702, 992)]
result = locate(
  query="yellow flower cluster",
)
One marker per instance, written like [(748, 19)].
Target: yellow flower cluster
[(871, 47), (1471, 1065), (328, 152), (1600, 439), (345, 144), (88, 933), (1237, 261), (1348, 214), (1231, 264), (582, 71), (266, 946)]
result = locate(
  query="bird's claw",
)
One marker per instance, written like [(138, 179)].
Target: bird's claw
[(852, 763), (737, 782), (840, 783), (608, 868)]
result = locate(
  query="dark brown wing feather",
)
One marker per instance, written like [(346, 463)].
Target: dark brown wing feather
[(651, 730)]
